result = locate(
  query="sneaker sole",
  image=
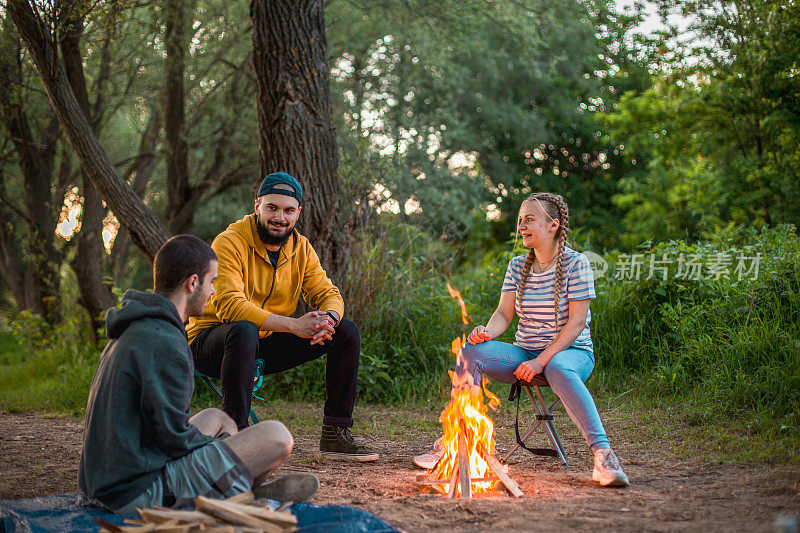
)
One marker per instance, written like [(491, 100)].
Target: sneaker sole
[(362, 458), (613, 481), (427, 465), (295, 488)]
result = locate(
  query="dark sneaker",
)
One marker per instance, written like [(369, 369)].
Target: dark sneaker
[(338, 443), (295, 488)]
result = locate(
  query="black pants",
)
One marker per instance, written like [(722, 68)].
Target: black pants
[(228, 351)]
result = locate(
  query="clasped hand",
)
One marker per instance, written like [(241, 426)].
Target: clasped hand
[(315, 325)]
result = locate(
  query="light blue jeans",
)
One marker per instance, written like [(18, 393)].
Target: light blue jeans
[(565, 372)]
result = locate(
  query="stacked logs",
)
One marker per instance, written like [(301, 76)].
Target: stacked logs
[(240, 513), (462, 478)]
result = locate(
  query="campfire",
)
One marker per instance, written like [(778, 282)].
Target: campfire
[(468, 465)]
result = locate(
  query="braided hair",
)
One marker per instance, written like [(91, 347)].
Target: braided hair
[(555, 208)]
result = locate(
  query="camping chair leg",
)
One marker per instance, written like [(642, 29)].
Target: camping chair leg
[(530, 431), (560, 446), (213, 387), (548, 423), (253, 418), (524, 438)]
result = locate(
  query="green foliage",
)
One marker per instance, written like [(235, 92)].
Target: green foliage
[(733, 345), (715, 139), (46, 368), (480, 103)]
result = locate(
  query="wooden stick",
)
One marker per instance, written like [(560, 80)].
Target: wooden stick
[(454, 480), (281, 518), (497, 468), (159, 515), (244, 497), (445, 482), (107, 526), (433, 482), (224, 511), (439, 489), (463, 466)]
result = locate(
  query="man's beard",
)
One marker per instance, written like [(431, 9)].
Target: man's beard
[(268, 237), (196, 304)]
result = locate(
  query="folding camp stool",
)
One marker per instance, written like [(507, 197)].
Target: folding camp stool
[(258, 381), (544, 417)]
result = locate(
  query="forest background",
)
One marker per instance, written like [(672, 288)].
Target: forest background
[(676, 150)]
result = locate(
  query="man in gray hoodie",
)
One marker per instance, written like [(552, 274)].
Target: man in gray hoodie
[(141, 445)]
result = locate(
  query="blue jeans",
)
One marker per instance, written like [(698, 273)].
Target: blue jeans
[(566, 373)]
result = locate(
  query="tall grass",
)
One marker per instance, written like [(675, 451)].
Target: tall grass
[(45, 368), (730, 347)]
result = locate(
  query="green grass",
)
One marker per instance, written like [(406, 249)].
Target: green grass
[(49, 372)]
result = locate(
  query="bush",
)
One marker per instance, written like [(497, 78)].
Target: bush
[(46, 368), (733, 344)]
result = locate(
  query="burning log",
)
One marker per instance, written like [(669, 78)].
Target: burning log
[(463, 467), (497, 468)]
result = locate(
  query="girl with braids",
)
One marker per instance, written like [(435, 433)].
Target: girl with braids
[(550, 289)]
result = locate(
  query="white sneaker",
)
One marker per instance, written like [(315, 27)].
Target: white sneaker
[(428, 460), (607, 470)]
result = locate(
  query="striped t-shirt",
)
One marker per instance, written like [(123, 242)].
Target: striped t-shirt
[(536, 321)]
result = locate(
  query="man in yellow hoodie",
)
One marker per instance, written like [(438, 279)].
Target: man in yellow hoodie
[(264, 267)]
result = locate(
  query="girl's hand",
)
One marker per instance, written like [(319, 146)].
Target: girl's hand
[(479, 335), (527, 371)]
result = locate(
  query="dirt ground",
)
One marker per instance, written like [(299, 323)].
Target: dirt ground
[(40, 456)]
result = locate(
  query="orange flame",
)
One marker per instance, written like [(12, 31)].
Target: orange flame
[(466, 414), (455, 293)]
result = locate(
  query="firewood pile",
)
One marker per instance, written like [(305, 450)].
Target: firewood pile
[(240, 513), (463, 480)]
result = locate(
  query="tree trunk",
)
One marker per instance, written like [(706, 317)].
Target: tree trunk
[(15, 272), (295, 126), (178, 190), (39, 260), (145, 229), (95, 294)]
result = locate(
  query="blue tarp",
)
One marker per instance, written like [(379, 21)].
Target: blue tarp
[(72, 512)]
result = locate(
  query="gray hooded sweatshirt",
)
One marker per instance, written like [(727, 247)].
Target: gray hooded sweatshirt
[(137, 417)]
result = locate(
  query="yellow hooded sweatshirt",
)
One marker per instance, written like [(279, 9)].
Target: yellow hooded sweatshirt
[(248, 287)]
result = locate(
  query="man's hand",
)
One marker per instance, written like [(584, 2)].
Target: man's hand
[(527, 371), (326, 333), (479, 335), (314, 325)]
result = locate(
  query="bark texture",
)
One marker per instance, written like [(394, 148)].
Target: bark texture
[(179, 192), (29, 263), (95, 294), (145, 229), (295, 127)]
